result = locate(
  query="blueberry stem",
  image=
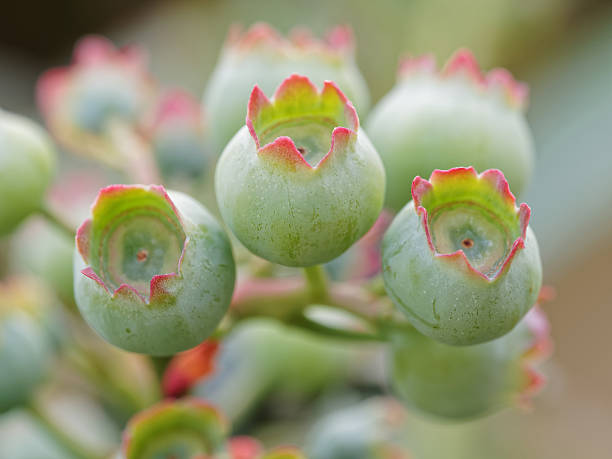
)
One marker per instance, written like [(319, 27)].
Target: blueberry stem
[(59, 222), (316, 282)]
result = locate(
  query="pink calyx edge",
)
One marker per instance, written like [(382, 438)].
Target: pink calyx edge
[(244, 447), (89, 50), (464, 62), (540, 349), (495, 177), (338, 40), (284, 147), (162, 406), (177, 105), (159, 282)]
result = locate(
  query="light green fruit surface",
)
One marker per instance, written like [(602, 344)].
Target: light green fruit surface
[(27, 342), (45, 251), (195, 301), (426, 123), (459, 382), (299, 216), (370, 429), (447, 302), (25, 353), (27, 160), (236, 74)]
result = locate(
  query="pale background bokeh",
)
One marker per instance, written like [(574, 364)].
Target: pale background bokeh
[(563, 49)]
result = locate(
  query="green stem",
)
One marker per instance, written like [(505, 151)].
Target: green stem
[(139, 163), (331, 332), (159, 365), (316, 282), (287, 299), (57, 221), (70, 445)]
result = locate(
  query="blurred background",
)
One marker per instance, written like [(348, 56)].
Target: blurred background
[(561, 48)]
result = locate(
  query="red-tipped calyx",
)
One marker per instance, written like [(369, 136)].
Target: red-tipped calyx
[(132, 228), (338, 42), (463, 63), (297, 99), (487, 192)]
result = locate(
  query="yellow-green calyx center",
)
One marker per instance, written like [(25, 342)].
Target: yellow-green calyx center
[(483, 238), (135, 236), (312, 135)]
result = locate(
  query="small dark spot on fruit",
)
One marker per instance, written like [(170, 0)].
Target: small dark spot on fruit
[(467, 243), (142, 255)]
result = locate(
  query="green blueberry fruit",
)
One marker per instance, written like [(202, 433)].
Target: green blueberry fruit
[(154, 272), (103, 86), (261, 56), (27, 161), (27, 342), (466, 381), (178, 136), (371, 429), (460, 260), (459, 116), (301, 182)]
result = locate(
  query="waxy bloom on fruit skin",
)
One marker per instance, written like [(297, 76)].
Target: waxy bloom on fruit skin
[(454, 117), (103, 85), (27, 162), (373, 429), (27, 341), (261, 56), (178, 136), (465, 381), (154, 272), (460, 260), (301, 182)]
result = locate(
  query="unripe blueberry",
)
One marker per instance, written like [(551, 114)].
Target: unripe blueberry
[(181, 429), (154, 272), (103, 84), (43, 250), (178, 136), (261, 56), (466, 381), (26, 339), (27, 161), (372, 429), (301, 182), (460, 260), (439, 120)]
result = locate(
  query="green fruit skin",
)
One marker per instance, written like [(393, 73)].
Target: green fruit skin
[(300, 217), (26, 350), (46, 252), (198, 301), (365, 430), (426, 124), (27, 161), (459, 382), (449, 304), (235, 76)]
